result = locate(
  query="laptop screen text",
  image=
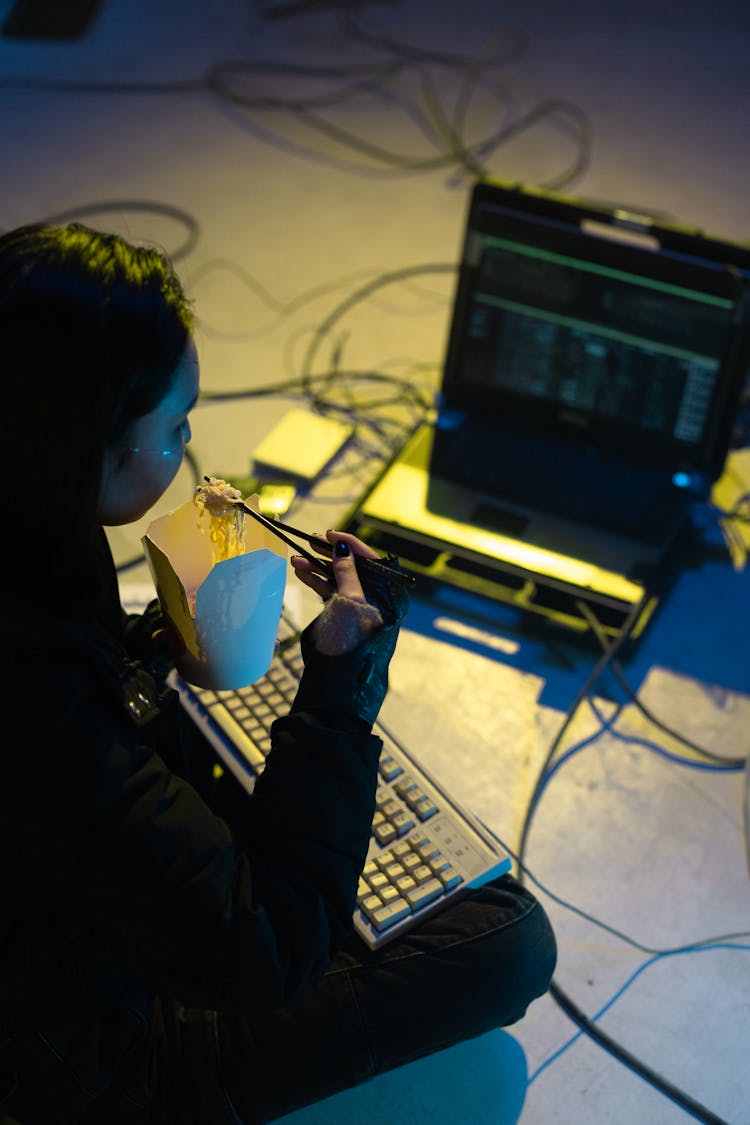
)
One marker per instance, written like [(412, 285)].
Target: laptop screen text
[(598, 345)]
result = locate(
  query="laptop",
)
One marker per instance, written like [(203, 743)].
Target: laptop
[(593, 370)]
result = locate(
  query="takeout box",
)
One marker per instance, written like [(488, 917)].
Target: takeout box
[(227, 612)]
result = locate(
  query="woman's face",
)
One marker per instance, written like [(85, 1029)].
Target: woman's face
[(145, 462)]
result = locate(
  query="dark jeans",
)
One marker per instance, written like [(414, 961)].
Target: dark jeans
[(473, 967)]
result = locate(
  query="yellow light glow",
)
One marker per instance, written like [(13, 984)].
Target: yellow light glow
[(404, 488), (478, 636)]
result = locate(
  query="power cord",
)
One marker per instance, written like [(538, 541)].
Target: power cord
[(567, 1005), (146, 206), (729, 763), (695, 1108), (604, 660), (226, 78)]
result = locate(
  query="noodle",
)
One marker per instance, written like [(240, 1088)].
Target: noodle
[(227, 519)]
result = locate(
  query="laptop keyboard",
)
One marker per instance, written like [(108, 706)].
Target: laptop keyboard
[(564, 480), (425, 848)]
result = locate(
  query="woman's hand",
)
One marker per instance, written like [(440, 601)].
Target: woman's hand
[(347, 649), (341, 551)]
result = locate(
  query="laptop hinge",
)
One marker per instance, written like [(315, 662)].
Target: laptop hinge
[(626, 230)]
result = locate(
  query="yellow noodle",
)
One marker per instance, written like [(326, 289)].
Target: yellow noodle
[(226, 519)]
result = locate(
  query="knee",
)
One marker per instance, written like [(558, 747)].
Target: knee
[(530, 962)]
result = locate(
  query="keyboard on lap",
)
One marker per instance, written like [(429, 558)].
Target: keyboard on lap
[(425, 849)]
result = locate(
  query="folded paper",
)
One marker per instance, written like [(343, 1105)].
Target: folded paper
[(226, 612)]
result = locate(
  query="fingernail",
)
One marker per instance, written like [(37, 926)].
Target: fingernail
[(341, 550)]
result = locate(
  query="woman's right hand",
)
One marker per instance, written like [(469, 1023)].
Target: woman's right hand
[(354, 682), (346, 582)]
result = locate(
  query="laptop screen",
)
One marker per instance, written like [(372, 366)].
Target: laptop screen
[(589, 336)]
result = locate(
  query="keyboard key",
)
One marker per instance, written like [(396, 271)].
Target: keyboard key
[(371, 905), (424, 808), (390, 807), (390, 914), (405, 785), (378, 880), (385, 832), (411, 861), (236, 734), (406, 884), (425, 893), (450, 878), (438, 863), (389, 894), (390, 769), (403, 822), (407, 873)]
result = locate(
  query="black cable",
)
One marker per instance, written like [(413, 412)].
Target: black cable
[(651, 950), (303, 388), (604, 660), (278, 307), (361, 294), (720, 760), (674, 1093), (367, 78), (412, 51), (729, 763), (147, 206), (474, 70), (467, 157), (589, 1027)]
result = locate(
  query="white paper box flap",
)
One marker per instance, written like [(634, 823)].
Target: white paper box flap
[(227, 613)]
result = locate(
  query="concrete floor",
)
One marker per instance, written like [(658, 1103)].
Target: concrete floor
[(288, 155)]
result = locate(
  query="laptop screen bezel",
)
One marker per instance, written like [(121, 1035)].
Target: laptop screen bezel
[(685, 259)]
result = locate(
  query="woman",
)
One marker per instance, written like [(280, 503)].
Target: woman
[(169, 953)]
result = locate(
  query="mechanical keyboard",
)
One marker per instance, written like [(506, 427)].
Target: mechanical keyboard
[(425, 849)]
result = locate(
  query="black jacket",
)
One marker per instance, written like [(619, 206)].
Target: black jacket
[(117, 881)]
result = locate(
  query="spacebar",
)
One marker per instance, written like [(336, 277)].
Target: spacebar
[(239, 739)]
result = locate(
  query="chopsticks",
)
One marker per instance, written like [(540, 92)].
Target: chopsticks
[(363, 564), (360, 561), (322, 565)]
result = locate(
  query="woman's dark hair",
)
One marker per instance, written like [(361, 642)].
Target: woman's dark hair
[(91, 331)]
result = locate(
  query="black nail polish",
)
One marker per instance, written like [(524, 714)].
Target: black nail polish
[(341, 549)]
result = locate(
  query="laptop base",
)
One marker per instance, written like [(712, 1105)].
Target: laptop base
[(565, 591)]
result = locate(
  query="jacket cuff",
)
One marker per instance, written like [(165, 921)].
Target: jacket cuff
[(343, 625)]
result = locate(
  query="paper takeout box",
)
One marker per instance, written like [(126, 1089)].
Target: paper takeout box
[(228, 612)]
